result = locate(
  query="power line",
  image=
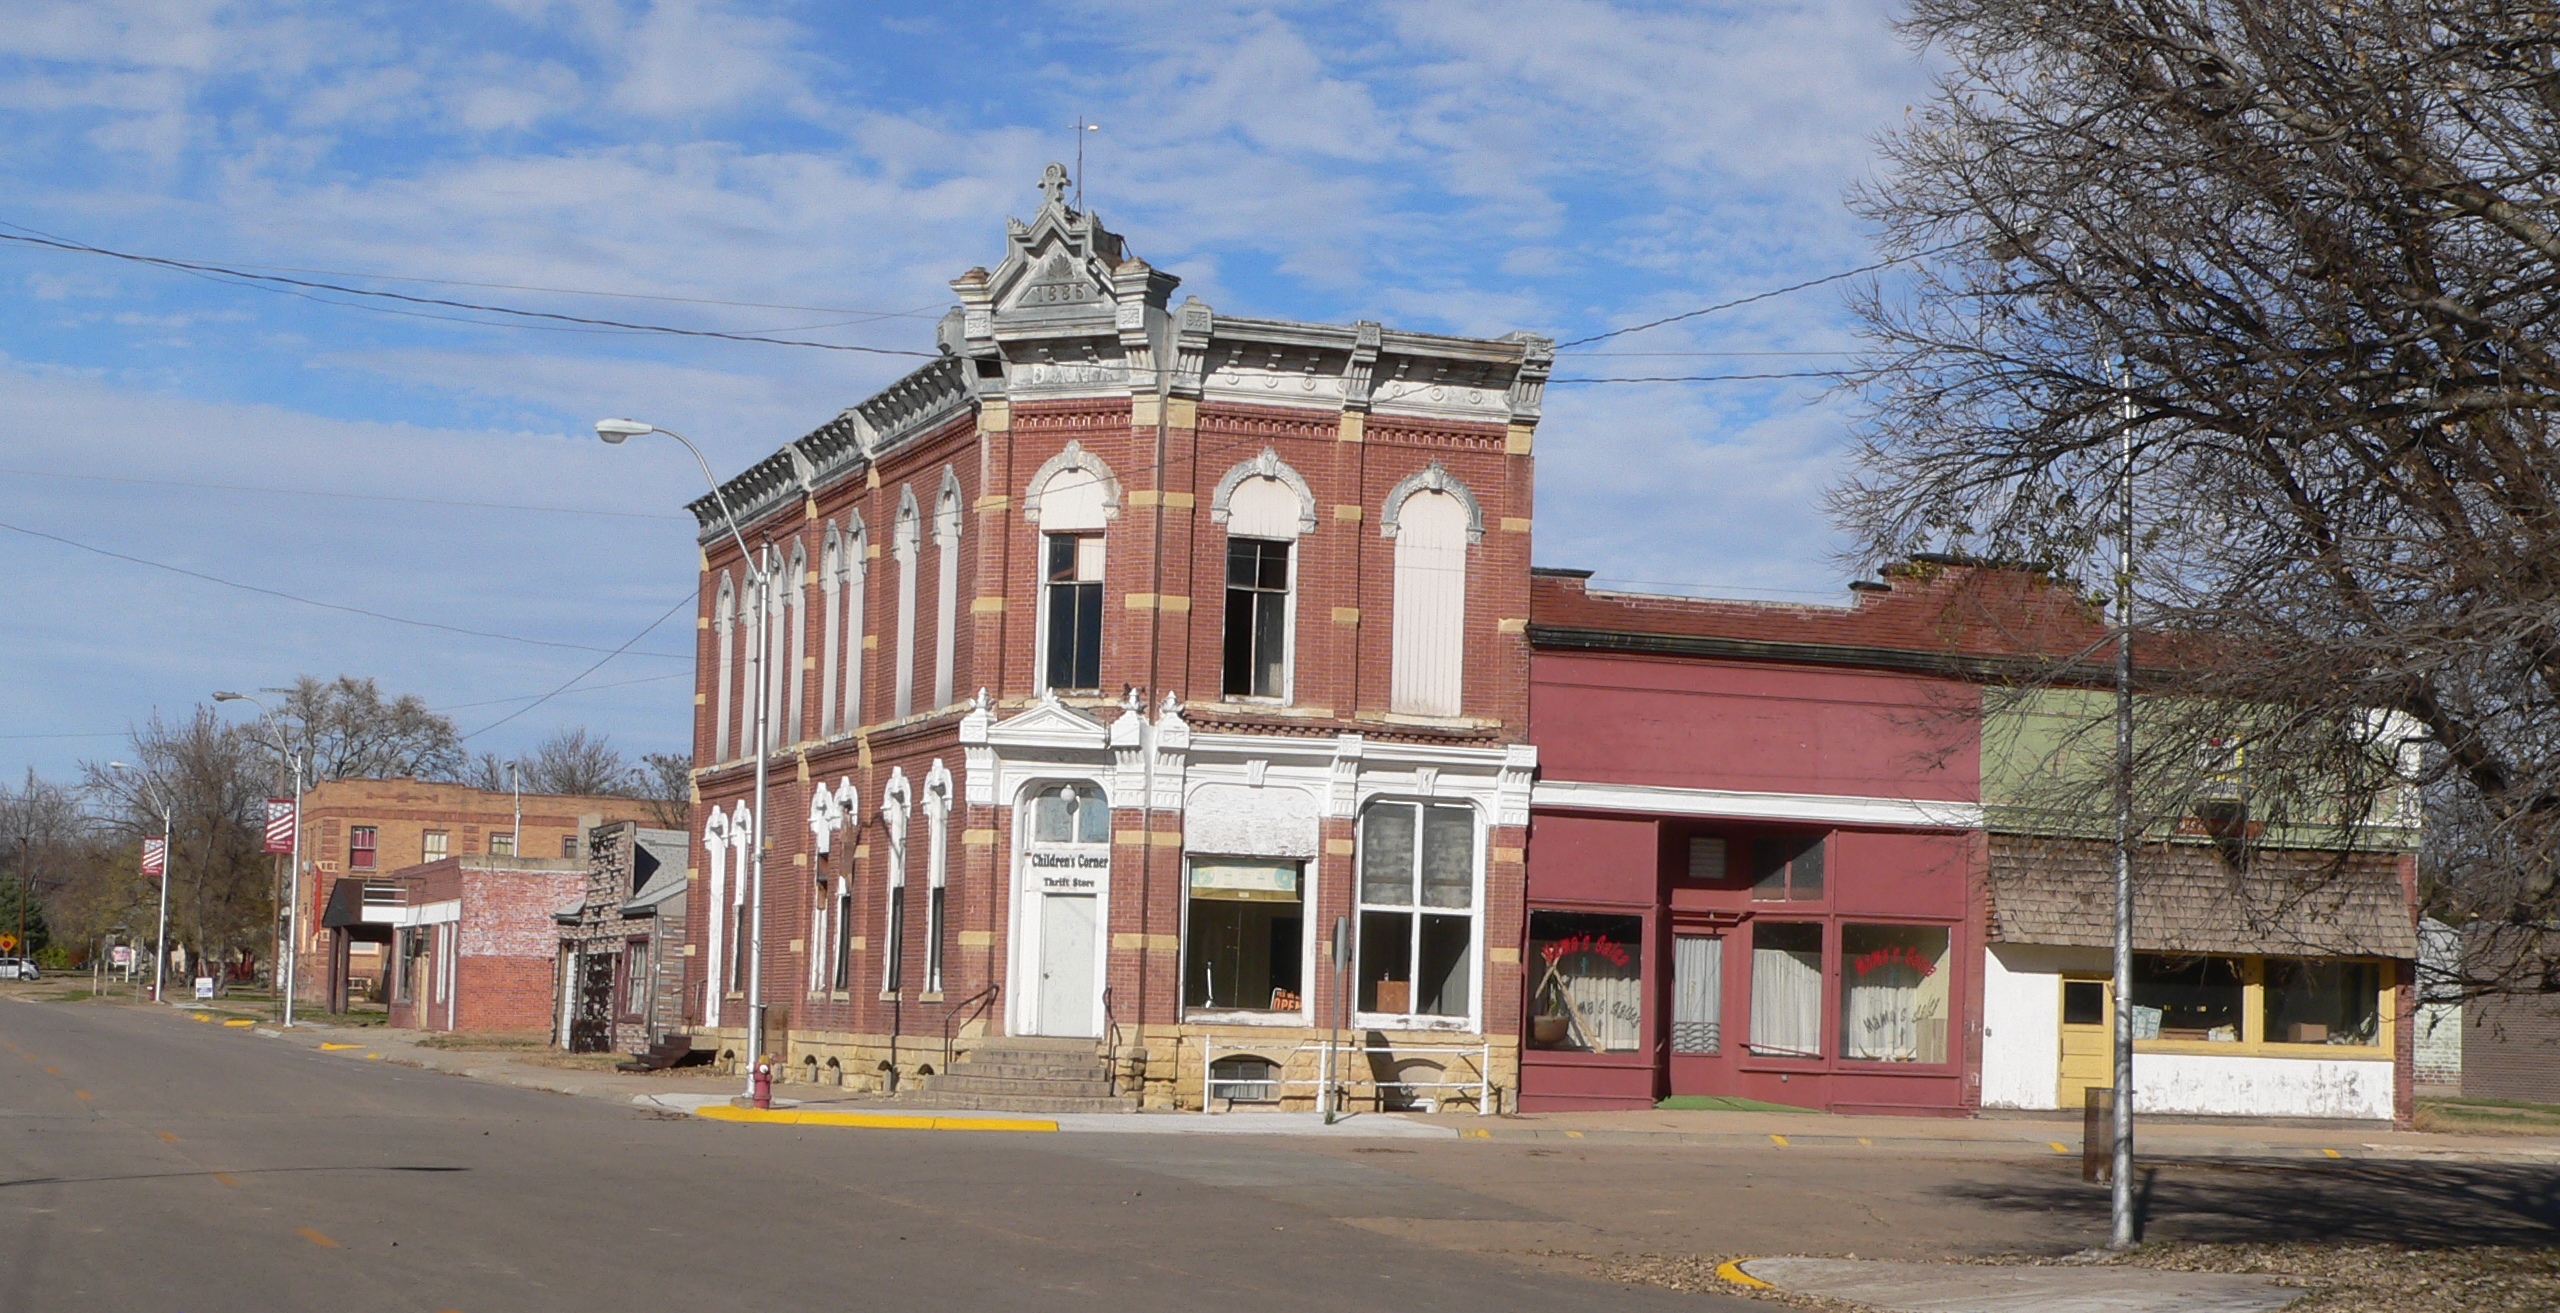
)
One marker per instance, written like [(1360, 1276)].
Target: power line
[(1756, 296), (303, 287), (348, 496), (591, 688), (1710, 378), (681, 603), (328, 606)]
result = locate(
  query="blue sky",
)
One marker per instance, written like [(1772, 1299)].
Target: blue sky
[(827, 169)]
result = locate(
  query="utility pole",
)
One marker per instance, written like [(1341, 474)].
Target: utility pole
[(2120, 1185)]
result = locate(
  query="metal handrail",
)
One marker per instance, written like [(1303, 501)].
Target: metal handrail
[(1111, 1046), (984, 999)]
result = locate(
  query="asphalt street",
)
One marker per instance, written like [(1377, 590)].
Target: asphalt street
[(153, 1164)]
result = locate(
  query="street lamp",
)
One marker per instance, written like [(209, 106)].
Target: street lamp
[(152, 792), (288, 960), (760, 579)]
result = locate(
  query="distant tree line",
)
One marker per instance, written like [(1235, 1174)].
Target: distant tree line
[(70, 854)]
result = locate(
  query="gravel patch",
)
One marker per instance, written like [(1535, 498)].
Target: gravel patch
[(2338, 1278)]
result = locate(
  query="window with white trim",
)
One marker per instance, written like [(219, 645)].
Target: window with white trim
[(831, 634), (1428, 646), (1417, 891), (937, 868), (724, 627), (857, 577), (904, 544), (796, 622), (896, 799), (1071, 597), (946, 552), (1264, 516)]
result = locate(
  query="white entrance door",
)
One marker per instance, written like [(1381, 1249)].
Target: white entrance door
[(1067, 924)]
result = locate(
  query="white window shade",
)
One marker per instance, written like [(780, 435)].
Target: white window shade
[(1263, 508), (1429, 650), (1074, 500)]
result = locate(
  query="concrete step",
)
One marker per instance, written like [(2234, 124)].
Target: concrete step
[(1032, 1044), (1019, 1102), (1032, 1070), (962, 1082)]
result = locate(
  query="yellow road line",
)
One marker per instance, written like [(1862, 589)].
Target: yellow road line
[(82, 1095), (373, 1057), (1573, 1135), (2333, 1153), (1731, 1270), (1778, 1140), (327, 1047), (53, 1071), (2058, 1146), (878, 1121), (1867, 1142), (227, 1179), (316, 1238), (167, 1136)]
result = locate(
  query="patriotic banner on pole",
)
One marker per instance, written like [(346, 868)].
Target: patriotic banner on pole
[(155, 856), (279, 825)]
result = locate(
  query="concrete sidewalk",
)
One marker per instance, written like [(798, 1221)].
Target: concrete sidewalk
[(888, 1114), (2004, 1136), (1967, 1288)]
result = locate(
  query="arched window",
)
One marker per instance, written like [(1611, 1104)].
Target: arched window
[(857, 574), (904, 544), (1263, 522), (1431, 528), (724, 629), (831, 612), (796, 624), (897, 799), (1071, 499), (715, 846), (1070, 813), (937, 814), (946, 551)]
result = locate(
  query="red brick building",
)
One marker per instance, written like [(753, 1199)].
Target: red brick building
[(362, 828), (1127, 647), (468, 943)]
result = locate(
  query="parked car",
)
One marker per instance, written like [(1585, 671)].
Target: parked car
[(17, 968)]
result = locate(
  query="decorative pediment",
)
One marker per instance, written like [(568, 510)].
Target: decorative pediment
[(1052, 725)]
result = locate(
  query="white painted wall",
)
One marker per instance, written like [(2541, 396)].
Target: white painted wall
[(2261, 1087), (2022, 1021)]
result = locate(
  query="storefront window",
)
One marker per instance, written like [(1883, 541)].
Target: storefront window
[(1243, 936), (2186, 997), (2323, 1002), (1590, 989), (1417, 908), (1786, 989), (1893, 993), (1786, 868)]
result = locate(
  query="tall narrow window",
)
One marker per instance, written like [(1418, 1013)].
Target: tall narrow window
[(1073, 660), (831, 636), (1417, 908), (724, 627), (937, 816), (1429, 643), (1786, 989), (742, 833), (1257, 618), (796, 623), (946, 601), (715, 843), (904, 544), (895, 800), (360, 847), (857, 574), (778, 607), (842, 976), (1697, 994)]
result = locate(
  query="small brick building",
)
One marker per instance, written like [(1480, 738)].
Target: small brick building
[(362, 828), (1129, 646), (467, 942)]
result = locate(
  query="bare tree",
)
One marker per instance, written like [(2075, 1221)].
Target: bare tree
[(667, 782), (41, 844), (213, 777), (353, 733), (2305, 256), (572, 761)]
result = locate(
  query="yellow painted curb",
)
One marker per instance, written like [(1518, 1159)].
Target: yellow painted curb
[(1778, 1140), (240, 1021), (327, 1047), (199, 1016), (1731, 1270), (878, 1121)]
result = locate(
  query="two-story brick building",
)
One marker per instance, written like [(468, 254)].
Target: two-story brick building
[(1125, 649)]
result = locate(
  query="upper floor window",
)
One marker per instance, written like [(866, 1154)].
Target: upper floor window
[(360, 847), (1072, 647), (435, 845), (1433, 518), (1257, 618), (502, 844)]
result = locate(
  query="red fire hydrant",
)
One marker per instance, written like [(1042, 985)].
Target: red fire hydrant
[(764, 1084)]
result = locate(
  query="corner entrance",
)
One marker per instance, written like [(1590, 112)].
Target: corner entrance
[(1062, 879)]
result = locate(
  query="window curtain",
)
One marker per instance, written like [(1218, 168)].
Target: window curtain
[(1786, 1002), (1697, 994)]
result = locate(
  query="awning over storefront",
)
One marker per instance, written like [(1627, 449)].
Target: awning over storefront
[(2187, 898)]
